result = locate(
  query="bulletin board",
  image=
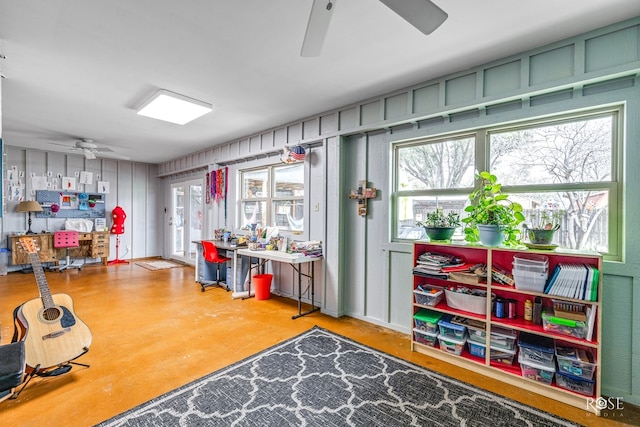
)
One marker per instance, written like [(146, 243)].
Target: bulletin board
[(66, 204)]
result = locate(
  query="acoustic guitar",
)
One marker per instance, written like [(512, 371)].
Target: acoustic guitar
[(52, 333)]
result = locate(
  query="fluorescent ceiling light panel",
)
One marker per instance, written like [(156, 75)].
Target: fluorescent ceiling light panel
[(174, 108)]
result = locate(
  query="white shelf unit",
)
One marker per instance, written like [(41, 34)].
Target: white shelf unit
[(511, 374)]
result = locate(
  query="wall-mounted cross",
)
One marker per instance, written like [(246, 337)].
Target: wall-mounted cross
[(362, 194)]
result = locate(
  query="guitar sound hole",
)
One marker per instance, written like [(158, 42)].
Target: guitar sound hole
[(51, 314)]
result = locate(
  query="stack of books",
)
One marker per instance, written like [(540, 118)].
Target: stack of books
[(579, 281), (434, 264)]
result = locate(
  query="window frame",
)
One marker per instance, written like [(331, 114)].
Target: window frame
[(271, 199), (614, 187)]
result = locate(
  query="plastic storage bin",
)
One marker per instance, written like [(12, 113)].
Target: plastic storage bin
[(502, 356), (571, 361), (473, 303), (476, 329), (477, 349), (530, 271), (451, 345), (503, 338), (427, 320), (576, 384), (451, 330), (428, 295), (535, 371), (536, 349), (529, 281), (424, 337), (559, 325), (531, 262)]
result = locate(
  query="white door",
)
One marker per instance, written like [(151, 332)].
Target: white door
[(186, 220)]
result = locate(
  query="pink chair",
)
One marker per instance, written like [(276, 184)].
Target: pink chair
[(66, 239)]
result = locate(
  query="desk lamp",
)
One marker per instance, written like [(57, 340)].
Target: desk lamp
[(29, 206)]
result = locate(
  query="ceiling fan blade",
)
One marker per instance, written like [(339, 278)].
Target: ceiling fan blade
[(317, 27), (88, 154), (422, 14)]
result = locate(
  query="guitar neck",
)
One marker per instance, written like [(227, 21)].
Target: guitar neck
[(41, 279)]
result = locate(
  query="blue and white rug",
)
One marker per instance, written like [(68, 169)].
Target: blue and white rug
[(322, 379)]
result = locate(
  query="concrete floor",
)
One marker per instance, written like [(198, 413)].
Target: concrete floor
[(155, 330)]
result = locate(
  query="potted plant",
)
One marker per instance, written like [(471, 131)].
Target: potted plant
[(492, 218), (544, 224), (439, 226)]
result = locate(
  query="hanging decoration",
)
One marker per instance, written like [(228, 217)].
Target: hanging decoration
[(220, 184), (293, 155), (217, 186), (362, 194), (207, 192)]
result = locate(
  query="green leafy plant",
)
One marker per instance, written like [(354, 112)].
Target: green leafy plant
[(437, 219), (490, 206), (543, 225), (546, 219)]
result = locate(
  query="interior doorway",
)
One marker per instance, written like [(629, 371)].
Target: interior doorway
[(186, 220)]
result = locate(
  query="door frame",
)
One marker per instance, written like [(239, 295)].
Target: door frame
[(188, 254)]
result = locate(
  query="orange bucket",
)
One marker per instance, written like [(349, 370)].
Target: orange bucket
[(262, 284)]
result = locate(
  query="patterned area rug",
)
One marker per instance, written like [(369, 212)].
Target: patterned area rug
[(158, 265), (321, 379)]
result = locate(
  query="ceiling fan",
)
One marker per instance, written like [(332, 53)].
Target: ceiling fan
[(91, 150), (422, 14)]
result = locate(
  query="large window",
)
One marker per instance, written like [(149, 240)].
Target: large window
[(564, 166), (273, 196)]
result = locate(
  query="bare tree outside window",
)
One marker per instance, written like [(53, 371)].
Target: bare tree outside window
[(563, 166), (572, 158)]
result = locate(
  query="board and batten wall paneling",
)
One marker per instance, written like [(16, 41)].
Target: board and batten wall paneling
[(335, 228), (618, 342), (120, 174), (584, 59), (595, 68), (378, 286), (353, 258), (400, 274)]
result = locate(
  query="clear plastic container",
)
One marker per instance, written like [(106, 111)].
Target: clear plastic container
[(451, 345), (535, 371), (571, 361), (503, 338), (477, 349), (502, 356), (537, 349), (559, 325), (428, 295), (451, 330), (576, 384), (497, 355), (427, 320), (529, 281), (424, 337), (531, 261)]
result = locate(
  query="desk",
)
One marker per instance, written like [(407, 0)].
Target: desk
[(295, 260), (201, 271), (93, 244)]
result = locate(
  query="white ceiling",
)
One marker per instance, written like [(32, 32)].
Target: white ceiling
[(79, 68)]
